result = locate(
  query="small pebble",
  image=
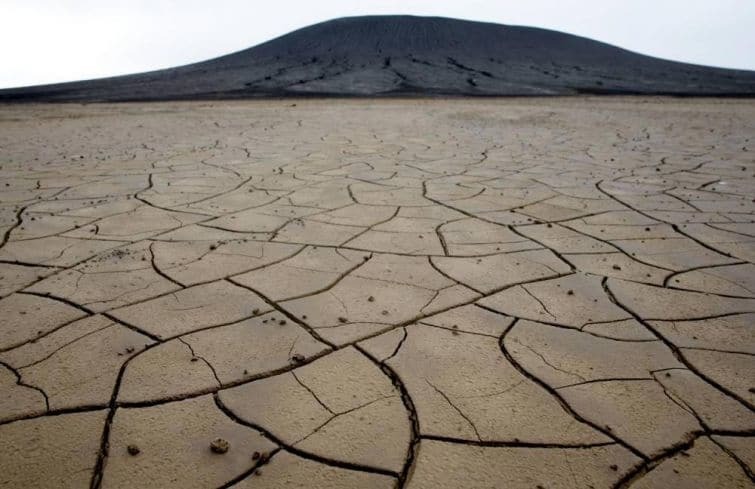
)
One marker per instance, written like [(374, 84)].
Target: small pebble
[(297, 358), (219, 445)]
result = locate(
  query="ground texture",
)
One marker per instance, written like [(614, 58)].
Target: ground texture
[(424, 294)]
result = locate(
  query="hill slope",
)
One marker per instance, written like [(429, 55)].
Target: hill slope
[(394, 55)]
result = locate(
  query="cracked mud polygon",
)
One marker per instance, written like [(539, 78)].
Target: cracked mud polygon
[(518, 293)]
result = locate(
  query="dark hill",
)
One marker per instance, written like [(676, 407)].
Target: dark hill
[(404, 55)]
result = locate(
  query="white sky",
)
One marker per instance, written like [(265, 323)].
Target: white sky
[(46, 41)]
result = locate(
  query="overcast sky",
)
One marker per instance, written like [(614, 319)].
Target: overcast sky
[(46, 41)]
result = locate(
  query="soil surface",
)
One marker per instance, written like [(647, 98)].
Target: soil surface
[(515, 293)]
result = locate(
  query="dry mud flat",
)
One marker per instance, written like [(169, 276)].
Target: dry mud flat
[(520, 293)]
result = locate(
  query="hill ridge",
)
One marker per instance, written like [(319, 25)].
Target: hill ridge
[(410, 55)]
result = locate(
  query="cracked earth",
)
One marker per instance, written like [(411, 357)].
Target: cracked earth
[(519, 293)]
